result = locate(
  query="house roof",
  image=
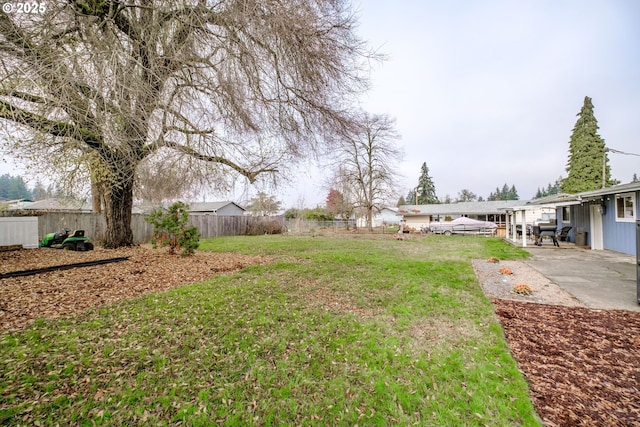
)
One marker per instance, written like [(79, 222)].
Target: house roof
[(548, 202), (554, 198), (394, 210), (53, 205), (211, 206), (461, 208), (564, 199), (614, 189)]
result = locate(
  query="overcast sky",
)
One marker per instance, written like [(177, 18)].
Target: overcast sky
[(486, 92)]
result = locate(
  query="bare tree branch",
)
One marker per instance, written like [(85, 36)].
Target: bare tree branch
[(367, 159), (238, 85)]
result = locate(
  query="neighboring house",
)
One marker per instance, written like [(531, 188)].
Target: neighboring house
[(217, 208), (601, 219), (205, 208), (418, 216), (386, 216), (52, 205)]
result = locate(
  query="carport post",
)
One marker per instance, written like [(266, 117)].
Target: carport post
[(524, 228)]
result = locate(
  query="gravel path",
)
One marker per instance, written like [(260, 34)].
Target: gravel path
[(498, 285)]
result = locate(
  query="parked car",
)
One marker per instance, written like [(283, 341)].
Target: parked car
[(463, 225)]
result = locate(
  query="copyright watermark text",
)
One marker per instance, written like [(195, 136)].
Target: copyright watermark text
[(24, 7)]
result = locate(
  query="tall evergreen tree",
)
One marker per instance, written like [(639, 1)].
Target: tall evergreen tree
[(504, 193), (587, 155), (426, 188)]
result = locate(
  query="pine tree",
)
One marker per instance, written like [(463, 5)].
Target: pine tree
[(550, 190), (504, 193), (426, 188), (494, 196), (539, 194), (586, 155), (411, 198), (507, 193)]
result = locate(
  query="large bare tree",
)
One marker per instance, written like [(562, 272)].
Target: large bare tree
[(243, 86), (368, 158)]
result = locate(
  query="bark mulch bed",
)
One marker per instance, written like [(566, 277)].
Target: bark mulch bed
[(582, 365), (65, 292)]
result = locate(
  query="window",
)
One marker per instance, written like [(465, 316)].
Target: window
[(625, 207), (566, 214)]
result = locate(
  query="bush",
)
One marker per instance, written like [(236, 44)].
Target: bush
[(266, 227), (170, 229)]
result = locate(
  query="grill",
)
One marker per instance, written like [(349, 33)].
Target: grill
[(540, 231)]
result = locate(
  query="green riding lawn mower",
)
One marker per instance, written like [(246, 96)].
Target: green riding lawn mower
[(75, 241)]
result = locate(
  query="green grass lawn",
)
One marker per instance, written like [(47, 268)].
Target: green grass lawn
[(365, 331)]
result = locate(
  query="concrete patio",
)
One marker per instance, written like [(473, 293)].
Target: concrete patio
[(599, 279)]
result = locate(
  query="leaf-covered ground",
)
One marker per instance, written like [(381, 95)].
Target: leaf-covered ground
[(583, 366), (65, 292)]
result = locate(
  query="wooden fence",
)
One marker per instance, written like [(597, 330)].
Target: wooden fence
[(95, 225)]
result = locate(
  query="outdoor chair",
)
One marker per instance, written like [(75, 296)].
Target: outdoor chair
[(563, 236)]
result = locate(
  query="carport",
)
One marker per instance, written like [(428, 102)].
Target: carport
[(520, 215)]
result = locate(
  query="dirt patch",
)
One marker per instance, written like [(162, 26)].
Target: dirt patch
[(65, 292), (582, 365)]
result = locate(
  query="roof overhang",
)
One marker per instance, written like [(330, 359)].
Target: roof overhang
[(545, 206)]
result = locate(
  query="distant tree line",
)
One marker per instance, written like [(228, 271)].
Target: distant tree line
[(311, 214), (14, 188), (506, 193), (550, 190)]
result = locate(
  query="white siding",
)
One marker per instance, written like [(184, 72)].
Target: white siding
[(19, 231)]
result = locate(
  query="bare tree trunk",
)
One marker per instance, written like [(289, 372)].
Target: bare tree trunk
[(96, 196), (118, 205)]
